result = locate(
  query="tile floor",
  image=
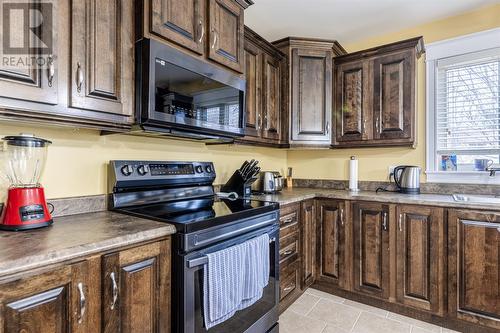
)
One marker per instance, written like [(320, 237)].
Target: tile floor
[(319, 312)]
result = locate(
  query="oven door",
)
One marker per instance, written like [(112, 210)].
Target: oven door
[(187, 311)]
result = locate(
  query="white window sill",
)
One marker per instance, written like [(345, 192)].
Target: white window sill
[(463, 177)]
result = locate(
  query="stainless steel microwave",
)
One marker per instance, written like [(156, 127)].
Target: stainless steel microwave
[(180, 95)]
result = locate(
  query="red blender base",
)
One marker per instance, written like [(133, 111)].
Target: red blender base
[(25, 208)]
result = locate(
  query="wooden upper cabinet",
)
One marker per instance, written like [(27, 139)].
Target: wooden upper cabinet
[(332, 246), (375, 95), (394, 96), (371, 249), (474, 267), (20, 78), (226, 34), (102, 58), (308, 224), (59, 301), (351, 101), (253, 73), (180, 21), (420, 258), (311, 96), (264, 66), (308, 90), (271, 95), (136, 290)]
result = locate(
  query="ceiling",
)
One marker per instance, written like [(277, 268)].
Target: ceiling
[(348, 21)]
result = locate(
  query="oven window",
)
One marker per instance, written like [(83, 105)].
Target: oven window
[(189, 95)]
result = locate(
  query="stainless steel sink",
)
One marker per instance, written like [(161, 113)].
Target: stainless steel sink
[(476, 198)]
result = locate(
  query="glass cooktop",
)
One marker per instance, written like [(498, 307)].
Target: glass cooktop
[(197, 214)]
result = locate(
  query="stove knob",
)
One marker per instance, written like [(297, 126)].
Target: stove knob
[(199, 169), (127, 170), (208, 169), (143, 169)]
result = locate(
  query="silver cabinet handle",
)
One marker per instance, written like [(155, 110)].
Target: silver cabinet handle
[(202, 34), (287, 252), (288, 220), (288, 288), (377, 124), (342, 216), (400, 222), (364, 125), (51, 70), (79, 77), (384, 222), (114, 286), (215, 38), (266, 123), (328, 127), (83, 303)]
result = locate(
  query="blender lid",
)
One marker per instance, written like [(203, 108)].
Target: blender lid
[(26, 140)]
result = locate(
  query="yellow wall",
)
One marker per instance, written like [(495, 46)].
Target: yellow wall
[(77, 159), (76, 164), (374, 162)]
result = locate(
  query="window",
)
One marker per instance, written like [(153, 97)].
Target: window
[(463, 108)]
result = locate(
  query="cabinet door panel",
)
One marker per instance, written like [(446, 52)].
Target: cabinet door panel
[(180, 21), (371, 252), (308, 242), (311, 96), (420, 257), (271, 91), (474, 267), (102, 51), (20, 77), (226, 34), (350, 102), (332, 241), (136, 293), (394, 90), (50, 302), (253, 73)]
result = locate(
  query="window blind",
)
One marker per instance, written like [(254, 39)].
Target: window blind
[(468, 104)]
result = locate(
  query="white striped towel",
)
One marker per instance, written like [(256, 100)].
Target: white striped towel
[(234, 279)]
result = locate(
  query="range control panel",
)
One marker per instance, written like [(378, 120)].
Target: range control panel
[(139, 173)]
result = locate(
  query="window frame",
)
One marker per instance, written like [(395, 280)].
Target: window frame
[(472, 43)]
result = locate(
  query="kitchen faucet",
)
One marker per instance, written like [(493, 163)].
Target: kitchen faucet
[(492, 171)]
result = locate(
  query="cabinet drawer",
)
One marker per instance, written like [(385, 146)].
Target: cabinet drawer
[(289, 248), (289, 281), (289, 219)]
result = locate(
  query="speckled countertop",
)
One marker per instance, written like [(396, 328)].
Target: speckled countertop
[(288, 196), (74, 236)]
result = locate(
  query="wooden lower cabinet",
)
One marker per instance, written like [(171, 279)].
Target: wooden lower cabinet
[(61, 300), (308, 219), (332, 246), (474, 267), (137, 289), (290, 255), (420, 256), (371, 249)]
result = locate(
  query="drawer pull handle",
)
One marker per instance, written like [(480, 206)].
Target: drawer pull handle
[(288, 220), (114, 287), (342, 216), (288, 252), (83, 303), (286, 289), (400, 222), (215, 38)]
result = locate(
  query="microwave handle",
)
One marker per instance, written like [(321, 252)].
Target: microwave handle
[(202, 260)]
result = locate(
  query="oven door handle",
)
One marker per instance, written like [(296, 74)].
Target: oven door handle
[(202, 260)]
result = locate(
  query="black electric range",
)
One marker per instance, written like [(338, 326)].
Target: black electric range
[(182, 194)]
